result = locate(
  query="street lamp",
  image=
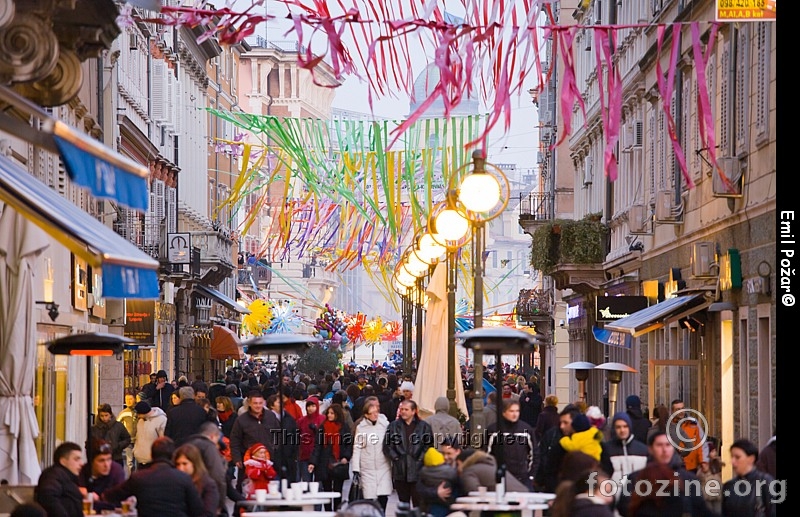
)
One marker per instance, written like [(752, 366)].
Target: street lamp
[(279, 344), (498, 341), (89, 345), (614, 375), (581, 374)]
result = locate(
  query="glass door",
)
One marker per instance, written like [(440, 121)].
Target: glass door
[(675, 379), (50, 393)]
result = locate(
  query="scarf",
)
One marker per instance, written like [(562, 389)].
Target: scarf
[(225, 415), (332, 436)]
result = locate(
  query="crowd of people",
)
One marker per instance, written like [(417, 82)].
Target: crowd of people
[(188, 449)]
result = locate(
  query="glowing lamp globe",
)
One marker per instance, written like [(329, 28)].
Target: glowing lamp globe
[(429, 249), (415, 265), (451, 225), (479, 192)]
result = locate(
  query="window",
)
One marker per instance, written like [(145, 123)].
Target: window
[(763, 55), (742, 88), (724, 102)]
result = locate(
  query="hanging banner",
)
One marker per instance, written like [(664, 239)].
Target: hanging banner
[(746, 10)]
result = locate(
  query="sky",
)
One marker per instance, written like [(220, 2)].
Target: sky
[(517, 145)]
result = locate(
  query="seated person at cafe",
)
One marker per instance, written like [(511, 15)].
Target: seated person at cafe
[(58, 491), (101, 474)]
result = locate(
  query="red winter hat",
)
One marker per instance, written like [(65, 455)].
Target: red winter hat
[(254, 449)]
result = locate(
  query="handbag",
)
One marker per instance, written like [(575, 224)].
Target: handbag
[(339, 470), (356, 493)]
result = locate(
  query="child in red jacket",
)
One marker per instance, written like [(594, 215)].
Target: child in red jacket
[(258, 469)]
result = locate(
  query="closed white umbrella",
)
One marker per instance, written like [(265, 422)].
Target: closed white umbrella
[(431, 381), (20, 243)]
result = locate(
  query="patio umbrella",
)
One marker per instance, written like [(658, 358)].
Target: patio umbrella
[(20, 243), (431, 382)]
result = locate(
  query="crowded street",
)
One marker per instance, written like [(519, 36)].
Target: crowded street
[(475, 258)]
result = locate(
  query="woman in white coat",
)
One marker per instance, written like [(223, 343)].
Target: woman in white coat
[(373, 467)]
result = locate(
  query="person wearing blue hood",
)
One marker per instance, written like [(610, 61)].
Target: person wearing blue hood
[(624, 454)]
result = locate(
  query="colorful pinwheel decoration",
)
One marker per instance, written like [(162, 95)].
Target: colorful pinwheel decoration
[(355, 327), (259, 318), (285, 318), (373, 330), (392, 331), (464, 320)]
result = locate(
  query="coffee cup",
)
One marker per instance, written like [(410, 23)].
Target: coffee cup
[(303, 486), (274, 487), (313, 487), (261, 495)]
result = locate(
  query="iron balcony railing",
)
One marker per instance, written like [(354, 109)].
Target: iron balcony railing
[(533, 304), (537, 206)]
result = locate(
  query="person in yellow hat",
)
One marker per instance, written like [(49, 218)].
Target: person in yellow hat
[(438, 484)]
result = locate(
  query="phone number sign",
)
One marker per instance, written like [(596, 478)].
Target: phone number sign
[(746, 10)]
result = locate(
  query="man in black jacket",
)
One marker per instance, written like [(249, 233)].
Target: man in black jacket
[(161, 392), (186, 418), (551, 453), (57, 491), (160, 489), (530, 404), (517, 442), (639, 424), (406, 441)]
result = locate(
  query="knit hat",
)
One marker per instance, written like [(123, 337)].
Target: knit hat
[(633, 401), (407, 386), (254, 449), (433, 458), (160, 374), (581, 423), (142, 408), (596, 417), (621, 415)]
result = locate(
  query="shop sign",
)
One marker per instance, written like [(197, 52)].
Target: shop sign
[(140, 320), (610, 308), (746, 10)]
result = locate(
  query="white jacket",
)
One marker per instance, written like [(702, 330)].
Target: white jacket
[(148, 428), (368, 459)]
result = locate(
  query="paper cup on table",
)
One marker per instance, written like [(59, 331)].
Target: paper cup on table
[(274, 487), (313, 487), (261, 495), (303, 486)]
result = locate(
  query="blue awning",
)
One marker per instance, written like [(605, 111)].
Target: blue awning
[(222, 298), (127, 271), (105, 173), (658, 315), (90, 164), (611, 338)]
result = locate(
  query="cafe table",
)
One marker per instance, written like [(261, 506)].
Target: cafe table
[(306, 504), (289, 514), (531, 497)]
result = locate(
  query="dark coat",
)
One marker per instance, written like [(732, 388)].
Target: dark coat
[(582, 507), (430, 478), (284, 443), (322, 456), (249, 430), (160, 490), (115, 434), (58, 493), (550, 454), (547, 420), (530, 407), (768, 459), (214, 462), (210, 496), (640, 425), (735, 505), (518, 447), (101, 484), (406, 453), (184, 420), (161, 398)]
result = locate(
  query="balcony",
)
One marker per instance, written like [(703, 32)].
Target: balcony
[(216, 256), (256, 275), (533, 306), (572, 252), (535, 209)]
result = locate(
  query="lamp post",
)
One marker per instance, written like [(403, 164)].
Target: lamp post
[(581, 369), (89, 345), (279, 344), (614, 375), (499, 341)]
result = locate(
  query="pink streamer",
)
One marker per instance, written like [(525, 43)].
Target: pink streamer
[(666, 89), (569, 92), (612, 115)]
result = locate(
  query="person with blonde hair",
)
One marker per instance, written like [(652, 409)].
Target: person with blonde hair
[(548, 418)]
